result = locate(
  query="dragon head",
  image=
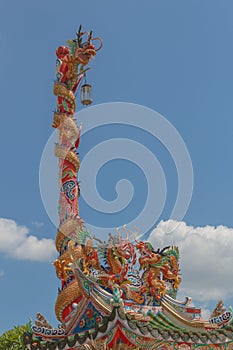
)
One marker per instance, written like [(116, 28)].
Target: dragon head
[(126, 250), (148, 255), (84, 51), (145, 248)]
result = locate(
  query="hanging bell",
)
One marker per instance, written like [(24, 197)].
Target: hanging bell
[(86, 94)]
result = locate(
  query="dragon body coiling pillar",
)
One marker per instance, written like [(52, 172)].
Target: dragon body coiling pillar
[(70, 68)]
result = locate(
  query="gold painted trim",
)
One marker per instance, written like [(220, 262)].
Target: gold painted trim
[(62, 91), (65, 297), (59, 240), (64, 153), (58, 119), (71, 225), (190, 323)]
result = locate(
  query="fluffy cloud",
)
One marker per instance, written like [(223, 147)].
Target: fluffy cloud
[(16, 241), (206, 258)]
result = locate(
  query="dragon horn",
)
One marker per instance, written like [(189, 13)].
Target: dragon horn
[(118, 233), (126, 232), (132, 234), (111, 238), (79, 34), (89, 37), (79, 30), (97, 239)]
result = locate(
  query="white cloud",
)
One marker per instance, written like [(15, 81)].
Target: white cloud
[(2, 273), (205, 313), (206, 258), (16, 242)]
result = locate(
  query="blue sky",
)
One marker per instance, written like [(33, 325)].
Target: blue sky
[(172, 56)]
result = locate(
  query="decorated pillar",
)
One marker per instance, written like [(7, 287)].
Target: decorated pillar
[(71, 67)]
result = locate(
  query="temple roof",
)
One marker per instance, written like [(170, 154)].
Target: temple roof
[(138, 329)]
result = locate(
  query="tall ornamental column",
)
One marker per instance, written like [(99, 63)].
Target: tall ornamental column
[(70, 68)]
